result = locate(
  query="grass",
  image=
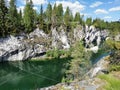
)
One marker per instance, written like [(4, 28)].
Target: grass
[(112, 83)]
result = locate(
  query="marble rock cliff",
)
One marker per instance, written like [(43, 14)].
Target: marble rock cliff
[(26, 46)]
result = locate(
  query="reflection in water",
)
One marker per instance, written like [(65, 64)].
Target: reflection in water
[(31, 74)]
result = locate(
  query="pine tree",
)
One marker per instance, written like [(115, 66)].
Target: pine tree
[(3, 19), (29, 16)]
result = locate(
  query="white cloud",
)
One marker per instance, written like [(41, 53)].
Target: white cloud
[(39, 2), (74, 6), (35, 8), (96, 4), (107, 17), (100, 11), (21, 8), (115, 9), (35, 2)]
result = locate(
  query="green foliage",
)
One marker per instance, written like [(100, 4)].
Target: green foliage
[(3, 19), (12, 22), (13, 18), (49, 13), (112, 82), (54, 16), (80, 62), (113, 44), (41, 19), (114, 28), (29, 16), (113, 47), (55, 53), (67, 16), (77, 17), (89, 21), (59, 13), (98, 23), (114, 67)]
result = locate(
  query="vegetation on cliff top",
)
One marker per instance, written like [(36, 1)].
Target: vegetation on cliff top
[(14, 22)]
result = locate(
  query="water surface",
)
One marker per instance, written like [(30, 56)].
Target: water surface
[(31, 74)]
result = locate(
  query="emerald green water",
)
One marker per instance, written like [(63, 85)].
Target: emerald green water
[(29, 75)]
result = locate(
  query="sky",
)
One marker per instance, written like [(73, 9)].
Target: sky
[(109, 10)]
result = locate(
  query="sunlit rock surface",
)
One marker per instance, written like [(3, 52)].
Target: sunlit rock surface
[(59, 39), (16, 48), (101, 64), (29, 45)]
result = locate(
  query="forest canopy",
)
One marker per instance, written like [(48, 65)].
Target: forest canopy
[(13, 22)]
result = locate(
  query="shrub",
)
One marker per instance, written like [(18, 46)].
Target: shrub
[(114, 68), (56, 53)]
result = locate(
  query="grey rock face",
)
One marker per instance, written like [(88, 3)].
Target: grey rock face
[(92, 37), (79, 33), (100, 66), (59, 39), (14, 48), (27, 46)]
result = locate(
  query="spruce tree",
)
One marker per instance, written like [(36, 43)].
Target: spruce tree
[(49, 13), (20, 15), (29, 16), (89, 21), (48, 16), (13, 17), (59, 13), (67, 16), (36, 17), (77, 17), (3, 19), (21, 26), (41, 18), (54, 16)]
